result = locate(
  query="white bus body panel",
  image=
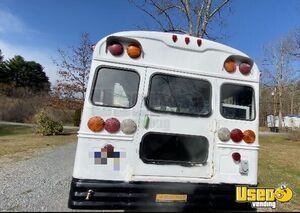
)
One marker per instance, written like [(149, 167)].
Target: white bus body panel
[(161, 54)]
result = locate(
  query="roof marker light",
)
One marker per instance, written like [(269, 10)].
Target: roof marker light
[(174, 38), (187, 40), (199, 42)]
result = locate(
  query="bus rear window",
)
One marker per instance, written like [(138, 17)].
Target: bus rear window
[(179, 95), (115, 88), (237, 102), (162, 148)]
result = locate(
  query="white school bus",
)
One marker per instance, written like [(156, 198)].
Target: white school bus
[(170, 123)]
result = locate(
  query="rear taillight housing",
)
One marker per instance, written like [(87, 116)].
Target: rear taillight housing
[(128, 126), (116, 49), (236, 135), (230, 65), (224, 134), (112, 125), (245, 68), (134, 51), (249, 136), (96, 124)]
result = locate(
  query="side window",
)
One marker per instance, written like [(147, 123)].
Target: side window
[(237, 102), (115, 88)]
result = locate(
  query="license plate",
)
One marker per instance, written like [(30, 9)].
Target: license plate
[(171, 198)]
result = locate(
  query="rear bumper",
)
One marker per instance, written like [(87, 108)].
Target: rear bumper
[(141, 196)]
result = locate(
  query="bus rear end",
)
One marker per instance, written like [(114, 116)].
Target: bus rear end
[(167, 125)]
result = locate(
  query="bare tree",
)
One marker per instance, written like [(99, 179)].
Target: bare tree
[(74, 67), (193, 17), (279, 72)]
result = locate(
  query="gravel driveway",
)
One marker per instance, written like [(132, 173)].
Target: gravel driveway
[(38, 184)]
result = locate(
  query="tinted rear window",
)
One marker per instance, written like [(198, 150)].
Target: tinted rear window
[(159, 148)]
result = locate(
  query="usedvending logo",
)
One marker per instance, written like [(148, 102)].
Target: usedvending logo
[(263, 197)]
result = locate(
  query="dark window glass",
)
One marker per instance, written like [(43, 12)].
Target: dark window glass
[(179, 95), (116, 88), (237, 102), (174, 149)]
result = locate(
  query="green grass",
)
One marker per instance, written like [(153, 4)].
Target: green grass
[(22, 139), (279, 162)]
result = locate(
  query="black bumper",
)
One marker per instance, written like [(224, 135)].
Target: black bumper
[(141, 196)]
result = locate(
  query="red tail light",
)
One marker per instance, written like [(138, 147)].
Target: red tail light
[(236, 135), (245, 68), (115, 49), (236, 156), (112, 125)]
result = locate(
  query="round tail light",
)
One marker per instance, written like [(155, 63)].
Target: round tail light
[(236, 156), (245, 68), (134, 51), (96, 124), (128, 126), (236, 135), (230, 65), (224, 134), (249, 136), (112, 125), (115, 49)]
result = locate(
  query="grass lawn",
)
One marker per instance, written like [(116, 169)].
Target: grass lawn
[(279, 162), (22, 139)]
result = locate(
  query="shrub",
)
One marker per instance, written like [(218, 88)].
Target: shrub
[(77, 117), (47, 126)]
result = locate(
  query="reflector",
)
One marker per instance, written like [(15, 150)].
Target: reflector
[(236, 156)]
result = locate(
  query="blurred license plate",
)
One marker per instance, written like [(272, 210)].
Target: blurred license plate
[(171, 198)]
